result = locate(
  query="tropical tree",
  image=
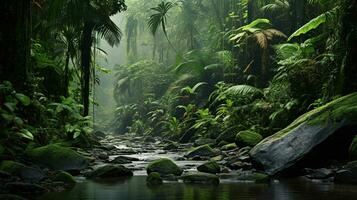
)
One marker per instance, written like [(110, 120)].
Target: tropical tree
[(159, 18)]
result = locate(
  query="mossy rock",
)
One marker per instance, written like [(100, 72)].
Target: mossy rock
[(21, 170), (201, 151), (353, 149), (110, 171), (58, 158), (203, 141), (211, 167), (285, 148), (154, 178), (171, 146), (229, 135), (64, 177), (248, 138), (228, 147), (164, 166), (200, 177), (254, 177)]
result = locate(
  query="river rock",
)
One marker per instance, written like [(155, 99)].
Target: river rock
[(171, 146), (57, 157), (203, 141), (24, 188), (22, 171), (322, 173), (110, 171), (164, 166), (201, 151), (250, 176), (123, 160), (211, 167), (64, 177), (154, 178), (200, 177), (247, 138), (285, 148), (229, 147)]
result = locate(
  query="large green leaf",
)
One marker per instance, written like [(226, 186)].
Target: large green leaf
[(311, 25), (26, 134), (25, 100)]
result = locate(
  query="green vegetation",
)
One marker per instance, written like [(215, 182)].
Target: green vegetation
[(217, 74)]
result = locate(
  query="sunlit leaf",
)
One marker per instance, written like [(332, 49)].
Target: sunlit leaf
[(25, 100)]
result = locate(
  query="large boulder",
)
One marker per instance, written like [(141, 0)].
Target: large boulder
[(248, 138), (58, 158), (200, 177), (288, 146), (211, 167), (22, 171), (164, 166), (201, 151)]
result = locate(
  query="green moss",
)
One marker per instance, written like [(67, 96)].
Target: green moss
[(353, 149), (154, 178), (12, 167), (230, 146), (58, 157), (164, 166), (65, 178), (204, 150), (211, 167), (342, 108), (248, 138), (200, 177)]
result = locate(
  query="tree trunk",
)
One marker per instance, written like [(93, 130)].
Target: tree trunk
[(66, 75), (86, 60), (15, 42)]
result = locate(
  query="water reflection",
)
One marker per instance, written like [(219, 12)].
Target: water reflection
[(136, 188)]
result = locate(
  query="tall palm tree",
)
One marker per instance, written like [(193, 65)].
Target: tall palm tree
[(159, 18)]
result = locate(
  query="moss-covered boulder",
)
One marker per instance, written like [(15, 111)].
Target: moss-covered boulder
[(22, 171), (211, 167), (201, 151), (164, 166), (353, 149), (203, 141), (286, 147), (229, 147), (58, 157), (229, 135), (110, 171), (154, 178), (200, 177), (64, 177), (253, 177), (248, 138)]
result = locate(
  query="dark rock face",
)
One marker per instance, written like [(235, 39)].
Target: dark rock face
[(348, 174), (285, 148)]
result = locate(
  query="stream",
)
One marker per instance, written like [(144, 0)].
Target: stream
[(229, 188)]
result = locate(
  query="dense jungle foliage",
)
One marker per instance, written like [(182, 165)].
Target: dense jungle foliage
[(194, 68)]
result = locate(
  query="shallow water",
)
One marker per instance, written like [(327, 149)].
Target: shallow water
[(135, 188)]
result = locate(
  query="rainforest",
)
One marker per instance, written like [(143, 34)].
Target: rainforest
[(178, 99)]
